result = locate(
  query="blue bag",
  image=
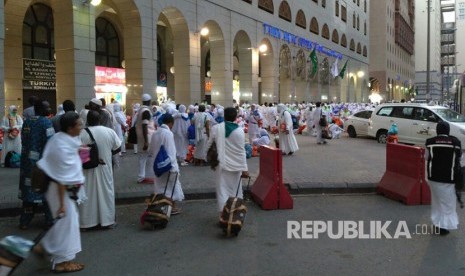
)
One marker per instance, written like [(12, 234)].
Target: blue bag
[(248, 151), (162, 162), (13, 160)]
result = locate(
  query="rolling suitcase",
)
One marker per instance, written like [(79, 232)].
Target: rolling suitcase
[(159, 207), (233, 215), (14, 250)]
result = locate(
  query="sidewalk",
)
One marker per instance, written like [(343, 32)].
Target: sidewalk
[(340, 166)]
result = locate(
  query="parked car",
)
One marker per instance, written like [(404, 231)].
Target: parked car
[(357, 123), (415, 122)]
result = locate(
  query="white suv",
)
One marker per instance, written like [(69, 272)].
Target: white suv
[(416, 122)]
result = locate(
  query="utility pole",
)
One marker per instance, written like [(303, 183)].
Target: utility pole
[(427, 49)]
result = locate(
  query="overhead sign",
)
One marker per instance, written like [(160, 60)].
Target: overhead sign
[(34, 69), (298, 41), (110, 75)]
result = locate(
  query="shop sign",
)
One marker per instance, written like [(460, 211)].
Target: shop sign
[(39, 85), (298, 41), (34, 69), (110, 75)]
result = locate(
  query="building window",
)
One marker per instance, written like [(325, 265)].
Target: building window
[(352, 45), (335, 36), (365, 6), (300, 20), (248, 1), (325, 32), (353, 21), (316, 1), (38, 33), (343, 13), (107, 52), (336, 8), (323, 3), (358, 23), (359, 48), (365, 28), (285, 11), (358, 3), (344, 41), (266, 5), (314, 28)]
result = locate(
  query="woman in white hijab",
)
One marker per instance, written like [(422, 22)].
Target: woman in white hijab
[(11, 126), (121, 125), (181, 123), (287, 141)]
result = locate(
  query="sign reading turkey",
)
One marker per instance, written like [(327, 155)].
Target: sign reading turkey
[(110, 75)]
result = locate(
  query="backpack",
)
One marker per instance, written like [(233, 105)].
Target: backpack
[(94, 160), (295, 122), (12, 160), (162, 162)]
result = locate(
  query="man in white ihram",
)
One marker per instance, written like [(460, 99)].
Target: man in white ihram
[(229, 138)]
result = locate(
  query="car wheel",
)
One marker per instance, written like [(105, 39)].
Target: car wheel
[(351, 132), (382, 136)]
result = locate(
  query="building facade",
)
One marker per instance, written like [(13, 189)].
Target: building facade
[(188, 51), (437, 50), (392, 39)]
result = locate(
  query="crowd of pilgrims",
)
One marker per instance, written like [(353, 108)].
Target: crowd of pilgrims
[(54, 142), (258, 121)]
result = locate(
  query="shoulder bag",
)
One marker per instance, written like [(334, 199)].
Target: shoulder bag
[(94, 160)]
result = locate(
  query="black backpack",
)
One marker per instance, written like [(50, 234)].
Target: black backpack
[(94, 160)]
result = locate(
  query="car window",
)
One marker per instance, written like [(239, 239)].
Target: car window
[(385, 111), (405, 112), (367, 114), (360, 114), (424, 114), (450, 115)]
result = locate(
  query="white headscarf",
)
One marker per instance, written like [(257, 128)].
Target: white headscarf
[(280, 108), (182, 109)]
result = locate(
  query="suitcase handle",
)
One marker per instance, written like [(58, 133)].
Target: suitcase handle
[(239, 185), (174, 185)]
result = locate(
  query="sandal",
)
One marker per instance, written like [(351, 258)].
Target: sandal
[(176, 211), (66, 267)]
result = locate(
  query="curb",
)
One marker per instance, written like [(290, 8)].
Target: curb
[(11, 209)]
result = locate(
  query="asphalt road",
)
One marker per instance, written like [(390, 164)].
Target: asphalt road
[(193, 245)]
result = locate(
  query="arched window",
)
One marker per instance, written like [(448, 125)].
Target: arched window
[(285, 11), (359, 48), (266, 5), (107, 52), (314, 28), (365, 51), (325, 31), (344, 41), (300, 19), (38, 33), (352, 45), (335, 36)]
